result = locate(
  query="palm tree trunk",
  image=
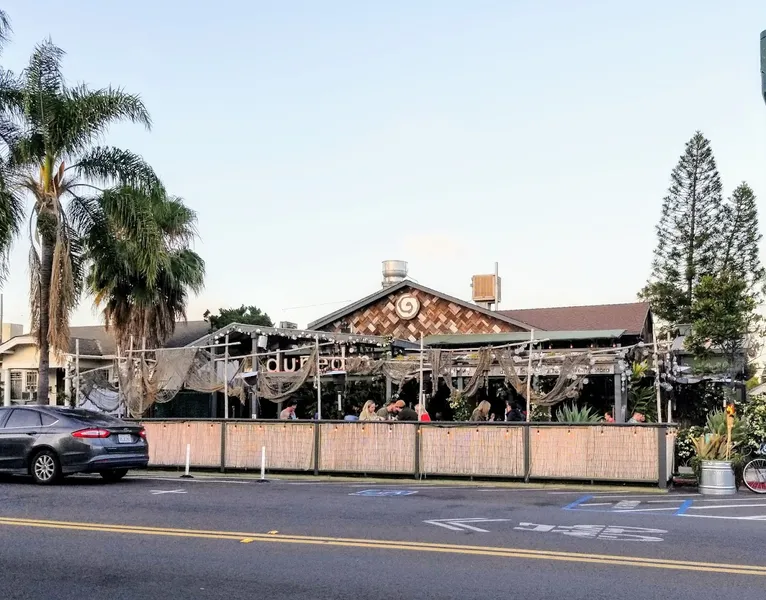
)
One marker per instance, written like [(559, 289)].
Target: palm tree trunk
[(46, 268)]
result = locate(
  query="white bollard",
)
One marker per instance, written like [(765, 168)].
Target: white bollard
[(186, 474), (263, 463)]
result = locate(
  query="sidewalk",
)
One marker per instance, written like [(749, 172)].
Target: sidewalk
[(397, 482)]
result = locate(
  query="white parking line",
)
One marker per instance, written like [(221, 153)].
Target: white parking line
[(725, 506)]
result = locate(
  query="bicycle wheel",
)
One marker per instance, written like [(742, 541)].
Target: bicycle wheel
[(755, 475)]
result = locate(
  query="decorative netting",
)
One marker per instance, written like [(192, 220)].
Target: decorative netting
[(443, 364), (568, 384), (145, 381)]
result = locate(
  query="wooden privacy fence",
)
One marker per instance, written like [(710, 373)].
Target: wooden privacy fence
[(579, 451)]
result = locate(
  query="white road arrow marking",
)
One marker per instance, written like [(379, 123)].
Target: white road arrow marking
[(158, 492), (462, 524)]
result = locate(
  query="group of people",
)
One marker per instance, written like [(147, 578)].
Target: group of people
[(512, 412), (397, 410), (393, 411)]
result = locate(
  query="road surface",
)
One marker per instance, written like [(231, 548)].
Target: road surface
[(153, 537)]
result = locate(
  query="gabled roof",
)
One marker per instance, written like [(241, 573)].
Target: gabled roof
[(631, 317), (382, 293)]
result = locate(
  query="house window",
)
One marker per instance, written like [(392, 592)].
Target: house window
[(16, 385), (31, 381)]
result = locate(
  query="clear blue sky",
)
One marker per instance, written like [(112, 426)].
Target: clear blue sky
[(316, 139)]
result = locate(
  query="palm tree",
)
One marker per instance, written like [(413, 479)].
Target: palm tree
[(59, 159), (140, 266), (11, 204)]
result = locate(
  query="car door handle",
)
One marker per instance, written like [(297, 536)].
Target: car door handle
[(32, 432)]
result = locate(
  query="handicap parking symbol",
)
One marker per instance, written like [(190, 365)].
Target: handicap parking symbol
[(384, 493)]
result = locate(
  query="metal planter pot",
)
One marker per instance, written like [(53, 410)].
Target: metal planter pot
[(717, 478)]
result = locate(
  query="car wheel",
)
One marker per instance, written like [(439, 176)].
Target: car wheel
[(45, 468), (114, 475)]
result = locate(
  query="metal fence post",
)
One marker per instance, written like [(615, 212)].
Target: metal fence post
[(662, 458), (223, 447), (317, 439), (527, 452), (417, 450)]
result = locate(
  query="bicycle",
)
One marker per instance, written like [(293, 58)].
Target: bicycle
[(754, 474)]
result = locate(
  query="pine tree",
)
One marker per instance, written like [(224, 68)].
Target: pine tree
[(739, 253), (688, 234)]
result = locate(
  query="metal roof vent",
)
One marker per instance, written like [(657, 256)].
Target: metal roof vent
[(394, 271)]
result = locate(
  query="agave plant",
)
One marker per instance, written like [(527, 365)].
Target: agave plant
[(571, 413)]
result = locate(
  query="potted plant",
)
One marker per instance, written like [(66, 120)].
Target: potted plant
[(716, 454)]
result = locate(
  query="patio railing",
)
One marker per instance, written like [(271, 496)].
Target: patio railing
[(527, 451)]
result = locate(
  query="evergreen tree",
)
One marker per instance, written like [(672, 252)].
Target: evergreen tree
[(688, 233), (739, 253)]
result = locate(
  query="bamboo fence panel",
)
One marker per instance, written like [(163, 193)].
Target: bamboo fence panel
[(559, 452), (597, 452), (167, 443), (623, 453), (450, 450), (367, 447), (289, 446)]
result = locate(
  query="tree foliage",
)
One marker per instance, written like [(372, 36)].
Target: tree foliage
[(724, 317), (687, 234), (739, 252), (141, 268), (55, 156), (247, 315)]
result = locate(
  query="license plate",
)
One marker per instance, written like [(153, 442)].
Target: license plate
[(125, 438)]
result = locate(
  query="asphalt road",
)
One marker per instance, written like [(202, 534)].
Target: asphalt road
[(173, 538)]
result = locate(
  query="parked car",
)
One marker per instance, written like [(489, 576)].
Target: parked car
[(48, 442)]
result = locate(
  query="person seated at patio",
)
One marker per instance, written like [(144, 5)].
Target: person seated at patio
[(608, 417), (512, 412), (391, 410), (407, 414), (368, 412), (637, 418), (423, 413), (289, 412), (481, 412)]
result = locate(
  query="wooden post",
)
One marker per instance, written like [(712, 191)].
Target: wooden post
[(421, 400), (657, 377), (226, 378), (77, 369), (529, 376), (319, 384)]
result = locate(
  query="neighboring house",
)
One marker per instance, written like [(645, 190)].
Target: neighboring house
[(20, 358), (690, 369)]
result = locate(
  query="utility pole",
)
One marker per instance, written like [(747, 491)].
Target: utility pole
[(763, 64)]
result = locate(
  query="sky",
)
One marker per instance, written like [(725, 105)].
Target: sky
[(317, 139)]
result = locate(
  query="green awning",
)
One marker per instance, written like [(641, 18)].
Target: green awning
[(489, 339)]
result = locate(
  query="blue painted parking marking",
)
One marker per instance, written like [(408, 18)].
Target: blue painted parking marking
[(384, 493)]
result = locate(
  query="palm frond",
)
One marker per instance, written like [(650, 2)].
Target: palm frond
[(11, 218), (87, 114), (42, 83), (114, 166), (5, 28)]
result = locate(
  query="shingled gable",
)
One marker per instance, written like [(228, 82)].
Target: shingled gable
[(633, 317), (438, 314)]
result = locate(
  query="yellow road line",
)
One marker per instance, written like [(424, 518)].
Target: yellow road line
[(606, 559)]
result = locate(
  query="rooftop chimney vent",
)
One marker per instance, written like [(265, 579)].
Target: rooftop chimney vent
[(394, 271)]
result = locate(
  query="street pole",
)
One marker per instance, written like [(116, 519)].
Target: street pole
[(763, 64), (421, 400)]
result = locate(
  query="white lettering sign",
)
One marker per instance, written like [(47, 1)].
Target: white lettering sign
[(597, 532), (292, 364)]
